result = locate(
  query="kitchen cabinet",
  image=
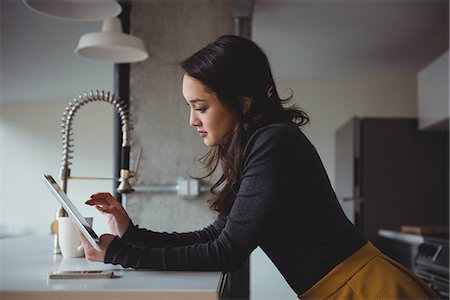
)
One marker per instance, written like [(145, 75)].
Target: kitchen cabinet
[(433, 95), (388, 174)]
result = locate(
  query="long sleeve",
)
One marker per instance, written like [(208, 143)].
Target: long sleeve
[(257, 205), (147, 238), (285, 204)]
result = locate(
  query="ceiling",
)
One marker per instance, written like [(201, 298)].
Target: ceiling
[(317, 39), (305, 40), (37, 60)]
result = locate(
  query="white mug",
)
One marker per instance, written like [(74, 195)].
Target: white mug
[(69, 239)]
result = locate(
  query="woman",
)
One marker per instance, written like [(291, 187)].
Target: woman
[(274, 192)]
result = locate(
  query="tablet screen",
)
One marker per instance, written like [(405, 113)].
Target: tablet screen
[(73, 212)]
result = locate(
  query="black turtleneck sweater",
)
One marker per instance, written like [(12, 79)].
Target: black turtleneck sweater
[(285, 205)]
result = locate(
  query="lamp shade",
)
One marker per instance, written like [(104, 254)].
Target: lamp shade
[(82, 10), (111, 44)]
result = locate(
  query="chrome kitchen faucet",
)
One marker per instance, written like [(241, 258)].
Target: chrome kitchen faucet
[(125, 174)]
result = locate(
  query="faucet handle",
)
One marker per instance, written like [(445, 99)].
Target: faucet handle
[(134, 174), (125, 185)]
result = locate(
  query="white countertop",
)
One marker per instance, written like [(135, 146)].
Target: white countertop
[(26, 261), (401, 236)]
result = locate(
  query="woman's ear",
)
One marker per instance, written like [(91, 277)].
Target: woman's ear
[(246, 104)]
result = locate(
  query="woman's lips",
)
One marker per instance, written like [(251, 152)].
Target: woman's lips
[(202, 133)]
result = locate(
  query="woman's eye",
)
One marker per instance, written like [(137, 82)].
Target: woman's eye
[(200, 109)]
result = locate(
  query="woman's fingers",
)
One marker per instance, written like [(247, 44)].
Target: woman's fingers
[(106, 239), (91, 253), (117, 218), (82, 237), (100, 195), (111, 200), (102, 209), (97, 202), (104, 196), (105, 199), (102, 199), (88, 249)]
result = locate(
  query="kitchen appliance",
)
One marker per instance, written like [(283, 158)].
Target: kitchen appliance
[(432, 264), (388, 174)]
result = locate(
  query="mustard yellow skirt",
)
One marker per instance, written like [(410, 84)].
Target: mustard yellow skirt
[(369, 274)]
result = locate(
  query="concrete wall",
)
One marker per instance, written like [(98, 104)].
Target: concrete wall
[(172, 30)]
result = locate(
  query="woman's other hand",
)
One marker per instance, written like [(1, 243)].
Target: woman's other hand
[(116, 216), (90, 252)]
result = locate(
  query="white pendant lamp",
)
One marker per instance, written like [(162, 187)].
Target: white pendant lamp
[(111, 44), (82, 10)]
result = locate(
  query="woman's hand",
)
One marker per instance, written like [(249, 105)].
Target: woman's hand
[(90, 252), (116, 216)]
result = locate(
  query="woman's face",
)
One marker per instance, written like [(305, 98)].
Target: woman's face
[(212, 120)]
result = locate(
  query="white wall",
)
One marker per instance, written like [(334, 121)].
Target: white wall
[(330, 104), (40, 75), (32, 145)]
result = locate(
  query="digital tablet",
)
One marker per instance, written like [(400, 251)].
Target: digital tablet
[(73, 212)]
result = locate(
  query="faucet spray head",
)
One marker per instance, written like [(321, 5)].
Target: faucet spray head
[(125, 174), (124, 182)]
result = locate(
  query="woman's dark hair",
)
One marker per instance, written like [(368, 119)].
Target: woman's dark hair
[(233, 67)]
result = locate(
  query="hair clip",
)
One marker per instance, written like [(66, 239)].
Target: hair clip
[(270, 92)]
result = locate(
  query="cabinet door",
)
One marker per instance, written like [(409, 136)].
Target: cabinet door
[(405, 175)]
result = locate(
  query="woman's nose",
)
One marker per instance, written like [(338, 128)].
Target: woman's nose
[(193, 120)]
